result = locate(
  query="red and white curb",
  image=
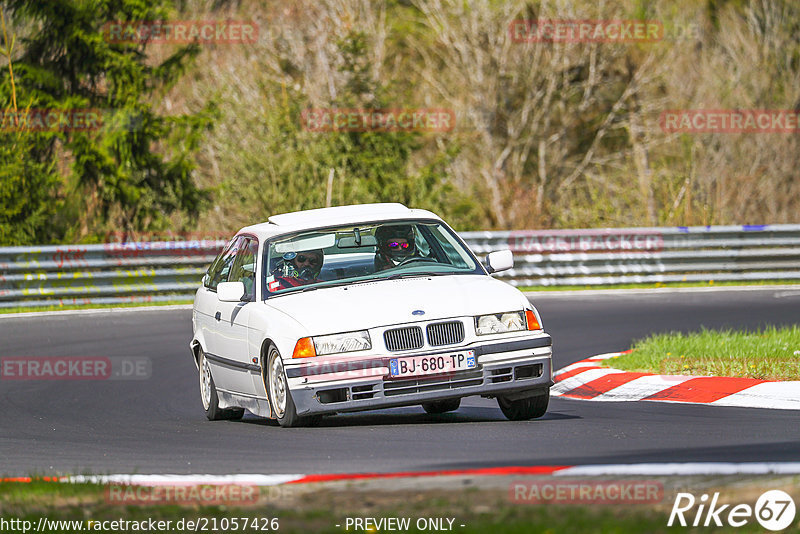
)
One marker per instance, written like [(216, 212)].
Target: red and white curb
[(653, 469), (590, 380)]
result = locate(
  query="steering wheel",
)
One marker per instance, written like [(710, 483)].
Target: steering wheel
[(413, 259)]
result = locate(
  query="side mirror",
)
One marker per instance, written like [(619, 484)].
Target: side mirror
[(501, 260), (230, 291)]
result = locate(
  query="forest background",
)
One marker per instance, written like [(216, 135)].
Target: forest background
[(205, 138)]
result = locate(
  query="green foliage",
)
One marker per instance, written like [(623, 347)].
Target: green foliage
[(376, 165), (133, 170), (274, 165), (556, 135), (26, 206)]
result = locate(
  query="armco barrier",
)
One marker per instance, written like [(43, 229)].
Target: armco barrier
[(103, 274), (646, 255), (170, 270)]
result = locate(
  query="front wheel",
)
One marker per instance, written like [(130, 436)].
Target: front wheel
[(280, 398), (524, 409), (208, 393)]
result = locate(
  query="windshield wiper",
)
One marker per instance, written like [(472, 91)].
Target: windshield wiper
[(342, 283), (412, 275), (365, 281)]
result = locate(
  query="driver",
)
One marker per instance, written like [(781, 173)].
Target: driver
[(299, 268), (396, 244)]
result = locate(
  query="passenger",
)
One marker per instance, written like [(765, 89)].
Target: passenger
[(299, 269), (396, 244)]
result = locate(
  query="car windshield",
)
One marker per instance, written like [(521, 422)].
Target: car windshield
[(373, 251)]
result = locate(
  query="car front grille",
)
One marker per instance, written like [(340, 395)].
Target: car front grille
[(408, 338), (457, 380), (448, 333)]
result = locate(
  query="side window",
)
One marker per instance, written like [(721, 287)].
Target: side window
[(244, 266), (218, 272)]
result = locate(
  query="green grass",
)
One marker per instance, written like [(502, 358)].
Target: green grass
[(657, 285), (771, 354), (28, 309), (319, 510)]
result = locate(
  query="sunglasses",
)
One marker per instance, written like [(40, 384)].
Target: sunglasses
[(313, 260), (395, 245)]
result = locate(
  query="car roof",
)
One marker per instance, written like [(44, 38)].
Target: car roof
[(339, 215)]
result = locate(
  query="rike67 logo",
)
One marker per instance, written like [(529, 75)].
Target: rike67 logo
[(774, 510)]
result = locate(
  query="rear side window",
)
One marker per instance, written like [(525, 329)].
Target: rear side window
[(221, 266)]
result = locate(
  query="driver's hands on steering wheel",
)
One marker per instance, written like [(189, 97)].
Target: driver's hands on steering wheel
[(415, 258)]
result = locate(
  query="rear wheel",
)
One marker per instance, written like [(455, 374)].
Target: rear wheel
[(443, 406), (524, 409), (208, 393)]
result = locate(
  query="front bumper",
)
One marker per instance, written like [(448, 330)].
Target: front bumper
[(514, 368)]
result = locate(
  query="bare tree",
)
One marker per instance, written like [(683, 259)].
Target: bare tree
[(553, 105)]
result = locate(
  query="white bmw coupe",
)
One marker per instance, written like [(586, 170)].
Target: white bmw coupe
[(358, 308)]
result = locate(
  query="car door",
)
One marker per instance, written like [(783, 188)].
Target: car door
[(234, 365), (206, 302)]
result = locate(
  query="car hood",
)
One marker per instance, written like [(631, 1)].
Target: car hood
[(390, 302)]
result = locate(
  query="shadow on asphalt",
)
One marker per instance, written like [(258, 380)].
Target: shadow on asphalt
[(391, 417)]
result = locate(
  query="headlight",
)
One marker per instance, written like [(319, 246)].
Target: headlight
[(347, 342), (500, 322)]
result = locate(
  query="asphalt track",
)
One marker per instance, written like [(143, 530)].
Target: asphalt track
[(157, 425)]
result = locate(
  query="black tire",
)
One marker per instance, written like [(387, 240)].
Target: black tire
[(280, 398), (234, 414), (524, 409), (208, 394), (442, 406)]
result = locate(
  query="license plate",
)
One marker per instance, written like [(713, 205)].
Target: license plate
[(432, 365)]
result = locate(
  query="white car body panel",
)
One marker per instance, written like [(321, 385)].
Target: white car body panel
[(390, 302), (234, 344)]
